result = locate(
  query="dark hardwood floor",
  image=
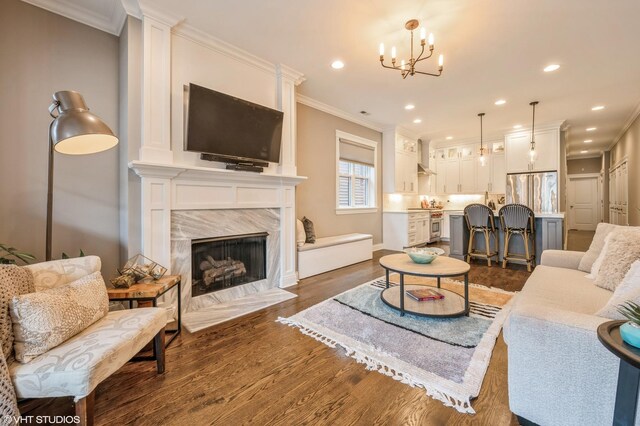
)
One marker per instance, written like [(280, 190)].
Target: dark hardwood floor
[(254, 370)]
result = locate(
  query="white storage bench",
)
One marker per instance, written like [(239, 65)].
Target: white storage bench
[(330, 253)]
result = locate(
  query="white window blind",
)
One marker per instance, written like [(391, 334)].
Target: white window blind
[(357, 153)]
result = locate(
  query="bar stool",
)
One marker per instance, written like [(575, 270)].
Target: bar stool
[(479, 219), (518, 219)]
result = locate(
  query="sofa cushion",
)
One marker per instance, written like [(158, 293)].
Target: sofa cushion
[(562, 288), (44, 319), (301, 236), (57, 273), (623, 248), (75, 367), (629, 289), (597, 244)]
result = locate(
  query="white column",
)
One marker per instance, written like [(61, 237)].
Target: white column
[(288, 237), (288, 79), (156, 90)]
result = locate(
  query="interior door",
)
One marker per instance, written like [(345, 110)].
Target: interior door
[(582, 195)]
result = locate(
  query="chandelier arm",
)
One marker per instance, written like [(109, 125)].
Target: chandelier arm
[(426, 57), (390, 67), (428, 73), (420, 55)]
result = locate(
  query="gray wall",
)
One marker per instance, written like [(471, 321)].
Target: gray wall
[(629, 147), (316, 159), (584, 165), (43, 53)]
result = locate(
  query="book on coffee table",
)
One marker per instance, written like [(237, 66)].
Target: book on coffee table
[(424, 294)]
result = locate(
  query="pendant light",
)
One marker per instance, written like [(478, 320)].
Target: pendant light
[(533, 154), (483, 158)]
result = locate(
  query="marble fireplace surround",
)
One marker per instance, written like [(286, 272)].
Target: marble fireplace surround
[(181, 203)]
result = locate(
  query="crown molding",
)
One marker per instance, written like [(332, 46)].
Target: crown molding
[(72, 10), (582, 156), (169, 19), (289, 73), (305, 100), (632, 118)]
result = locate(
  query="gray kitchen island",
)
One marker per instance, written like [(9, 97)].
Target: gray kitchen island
[(549, 235)]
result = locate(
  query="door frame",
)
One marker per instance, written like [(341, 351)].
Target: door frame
[(596, 176)]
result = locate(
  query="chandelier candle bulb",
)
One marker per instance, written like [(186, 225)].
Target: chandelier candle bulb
[(441, 61), (381, 50), (431, 41), (393, 52), (402, 64), (423, 34)]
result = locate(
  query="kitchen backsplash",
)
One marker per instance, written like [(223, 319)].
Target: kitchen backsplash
[(396, 202)]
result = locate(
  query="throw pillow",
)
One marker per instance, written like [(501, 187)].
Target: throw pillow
[(44, 319), (14, 280), (623, 249), (301, 236), (309, 231), (629, 289), (597, 244), (598, 263)]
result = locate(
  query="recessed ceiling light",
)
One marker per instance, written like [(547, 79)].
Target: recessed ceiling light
[(417, 121), (500, 102), (551, 67), (409, 107), (588, 141), (449, 138), (517, 126), (597, 108), (336, 65), (584, 151), (590, 129)]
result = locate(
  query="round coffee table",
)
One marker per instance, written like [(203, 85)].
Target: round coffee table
[(453, 305)]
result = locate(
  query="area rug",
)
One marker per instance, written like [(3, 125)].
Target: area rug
[(448, 357)]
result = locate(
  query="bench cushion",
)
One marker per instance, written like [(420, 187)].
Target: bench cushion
[(78, 365), (334, 241)]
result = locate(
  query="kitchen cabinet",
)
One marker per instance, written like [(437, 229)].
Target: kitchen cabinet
[(518, 146), (460, 172), (459, 237), (399, 163), (446, 224), (405, 229)]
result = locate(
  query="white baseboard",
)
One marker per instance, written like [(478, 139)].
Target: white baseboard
[(289, 280), (377, 247)]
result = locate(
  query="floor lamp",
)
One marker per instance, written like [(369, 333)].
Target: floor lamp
[(74, 131)]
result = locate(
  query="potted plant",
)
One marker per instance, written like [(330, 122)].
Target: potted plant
[(630, 330), (10, 255)]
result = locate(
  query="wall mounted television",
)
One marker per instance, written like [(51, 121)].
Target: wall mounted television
[(232, 130)]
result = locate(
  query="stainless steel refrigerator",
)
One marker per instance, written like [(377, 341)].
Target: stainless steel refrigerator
[(539, 191)]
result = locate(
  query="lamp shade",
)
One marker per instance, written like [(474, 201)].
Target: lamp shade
[(75, 130)]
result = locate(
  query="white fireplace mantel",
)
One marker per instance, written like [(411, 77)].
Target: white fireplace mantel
[(169, 187)]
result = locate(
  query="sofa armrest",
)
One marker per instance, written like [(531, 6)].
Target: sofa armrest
[(559, 372), (561, 258)]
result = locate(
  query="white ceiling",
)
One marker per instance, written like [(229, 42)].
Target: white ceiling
[(493, 49)]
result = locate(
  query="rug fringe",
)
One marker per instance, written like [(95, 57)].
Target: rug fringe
[(460, 403)]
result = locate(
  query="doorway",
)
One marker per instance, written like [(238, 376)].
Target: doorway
[(583, 196)]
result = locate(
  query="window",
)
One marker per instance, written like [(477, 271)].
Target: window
[(356, 174)]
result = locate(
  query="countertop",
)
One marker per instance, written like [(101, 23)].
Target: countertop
[(495, 213)]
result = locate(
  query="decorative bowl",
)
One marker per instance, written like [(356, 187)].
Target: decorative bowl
[(424, 255), (630, 333)]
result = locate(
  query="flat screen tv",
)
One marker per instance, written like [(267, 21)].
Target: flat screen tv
[(231, 129)]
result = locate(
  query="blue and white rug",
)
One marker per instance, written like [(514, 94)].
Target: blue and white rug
[(448, 357)]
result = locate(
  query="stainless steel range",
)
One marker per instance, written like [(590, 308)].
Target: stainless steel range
[(435, 225)]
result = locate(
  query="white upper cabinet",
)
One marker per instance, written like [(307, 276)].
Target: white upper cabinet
[(499, 174), (547, 148), (460, 172), (399, 163)]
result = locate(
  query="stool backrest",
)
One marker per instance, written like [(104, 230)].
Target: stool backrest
[(517, 216), (479, 216)]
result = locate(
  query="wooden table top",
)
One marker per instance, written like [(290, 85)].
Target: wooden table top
[(442, 266), (145, 289)]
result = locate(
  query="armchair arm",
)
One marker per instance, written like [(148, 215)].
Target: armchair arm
[(561, 258)]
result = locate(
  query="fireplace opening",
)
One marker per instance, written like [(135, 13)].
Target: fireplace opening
[(224, 262)]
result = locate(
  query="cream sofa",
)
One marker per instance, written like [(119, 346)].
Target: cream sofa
[(77, 366), (559, 372)]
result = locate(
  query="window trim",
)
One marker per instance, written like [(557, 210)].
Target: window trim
[(373, 208)]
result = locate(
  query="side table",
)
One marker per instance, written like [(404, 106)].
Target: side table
[(146, 294), (628, 374)]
